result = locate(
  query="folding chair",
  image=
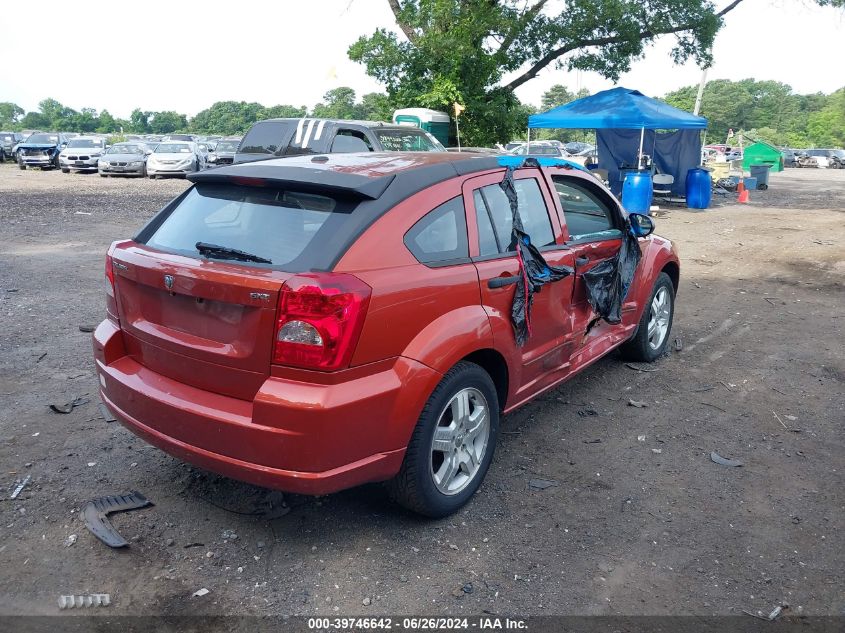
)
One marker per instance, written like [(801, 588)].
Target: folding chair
[(663, 186)]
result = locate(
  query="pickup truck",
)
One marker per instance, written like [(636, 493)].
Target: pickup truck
[(273, 138)]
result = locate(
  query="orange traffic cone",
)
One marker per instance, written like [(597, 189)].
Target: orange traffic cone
[(743, 193)]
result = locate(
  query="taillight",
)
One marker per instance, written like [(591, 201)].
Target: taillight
[(319, 320), (111, 299)]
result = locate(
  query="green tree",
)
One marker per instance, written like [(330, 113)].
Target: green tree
[(375, 106), (10, 114), (34, 121), (339, 104), (462, 49), (167, 122), (765, 109), (139, 121), (106, 123), (282, 112), (84, 121), (826, 128)]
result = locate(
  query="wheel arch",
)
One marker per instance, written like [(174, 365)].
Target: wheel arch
[(494, 363)]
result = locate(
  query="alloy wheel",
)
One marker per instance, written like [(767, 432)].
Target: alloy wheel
[(659, 315), (460, 441)]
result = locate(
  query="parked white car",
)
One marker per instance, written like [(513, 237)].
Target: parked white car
[(82, 154), (175, 158)]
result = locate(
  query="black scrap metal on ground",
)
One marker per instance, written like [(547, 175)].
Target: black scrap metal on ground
[(95, 512), (607, 283)]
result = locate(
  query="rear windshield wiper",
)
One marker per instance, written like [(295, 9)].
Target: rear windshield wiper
[(224, 252)]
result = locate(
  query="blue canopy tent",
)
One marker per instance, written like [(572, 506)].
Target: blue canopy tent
[(615, 114)]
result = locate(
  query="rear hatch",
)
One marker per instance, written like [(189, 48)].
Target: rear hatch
[(207, 316)]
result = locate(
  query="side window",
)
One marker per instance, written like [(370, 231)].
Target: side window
[(351, 141), (585, 213), (440, 235), (495, 220)]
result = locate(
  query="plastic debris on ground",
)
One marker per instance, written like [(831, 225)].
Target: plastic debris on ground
[(199, 593), (69, 406), (91, 600), (541, 484), (718, 459), (20, 487), (95, 512), (104, 411)]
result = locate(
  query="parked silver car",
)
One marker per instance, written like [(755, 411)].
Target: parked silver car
[(82, 154), (174, 158), (224, 152), (124, 159)]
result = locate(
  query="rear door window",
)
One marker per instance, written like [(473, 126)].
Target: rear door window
[(441, 235), (495, 220), (274, 224), (269, 137)]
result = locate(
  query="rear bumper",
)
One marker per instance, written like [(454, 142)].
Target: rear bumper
[(295, 436)]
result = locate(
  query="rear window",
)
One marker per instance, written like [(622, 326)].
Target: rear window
[(410, 140), (274, 224), (269, 137)]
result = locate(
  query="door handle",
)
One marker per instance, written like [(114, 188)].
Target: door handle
[(582, 261), (501, 282)]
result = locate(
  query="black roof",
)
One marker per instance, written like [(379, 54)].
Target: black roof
[(393, 176)]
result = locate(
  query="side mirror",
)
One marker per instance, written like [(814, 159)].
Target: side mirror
[(641, 225)]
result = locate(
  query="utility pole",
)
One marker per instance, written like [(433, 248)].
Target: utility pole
[(697, 108)]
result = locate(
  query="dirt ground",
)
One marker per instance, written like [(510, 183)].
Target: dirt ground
[(641, 521)]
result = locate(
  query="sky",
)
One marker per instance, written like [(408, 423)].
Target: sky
[(184, 55)]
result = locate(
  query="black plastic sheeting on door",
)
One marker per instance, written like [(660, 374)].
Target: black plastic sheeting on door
[(534, 272), (607, 283)]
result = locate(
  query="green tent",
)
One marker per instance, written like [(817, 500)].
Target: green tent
[(761, 153)]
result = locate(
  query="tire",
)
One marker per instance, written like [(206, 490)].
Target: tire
[(416, 486), (21, 164), (103, 175), (65, 170), (56, 163), (643, 347), (144, 171)]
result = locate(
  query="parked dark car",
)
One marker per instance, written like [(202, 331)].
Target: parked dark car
[(224, 152), (41, 150), (313, 323), (790, 157), (8, 140), (286, 137)]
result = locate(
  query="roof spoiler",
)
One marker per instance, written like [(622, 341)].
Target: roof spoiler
[(300, 178)]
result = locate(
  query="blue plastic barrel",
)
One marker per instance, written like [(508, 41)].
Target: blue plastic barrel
[(699, 188), (637, 190)]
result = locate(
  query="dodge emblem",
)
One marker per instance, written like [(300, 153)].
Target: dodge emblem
[(168, 281)]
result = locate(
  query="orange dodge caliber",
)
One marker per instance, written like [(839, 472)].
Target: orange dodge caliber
[(313, 323)]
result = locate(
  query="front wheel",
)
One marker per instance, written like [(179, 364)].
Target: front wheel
[(652, 335), (452, 445), (21, 164)]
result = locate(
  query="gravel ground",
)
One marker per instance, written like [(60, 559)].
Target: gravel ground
[(640, 521)]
